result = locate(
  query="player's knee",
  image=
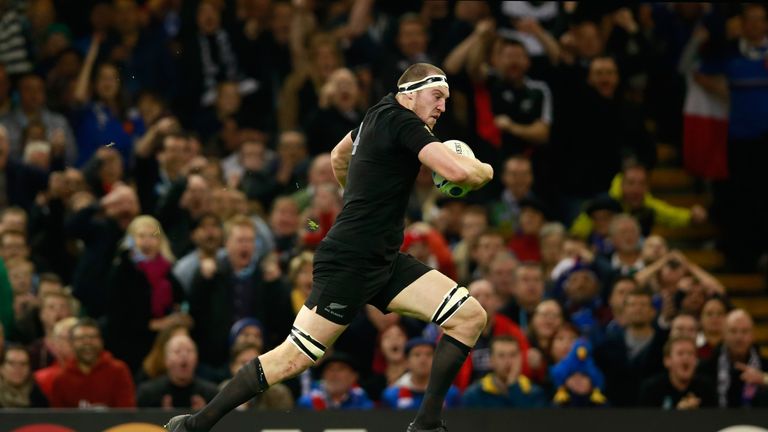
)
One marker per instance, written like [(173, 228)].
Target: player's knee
[(471, 316), (460, 312), (305, 350)]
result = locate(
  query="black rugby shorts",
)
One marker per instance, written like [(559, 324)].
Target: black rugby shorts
[(345, 280)]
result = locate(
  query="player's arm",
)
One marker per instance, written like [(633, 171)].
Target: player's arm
[(455, 168), (340, 156)]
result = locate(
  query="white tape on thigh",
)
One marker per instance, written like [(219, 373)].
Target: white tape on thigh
[(306, 344), (450, 305)]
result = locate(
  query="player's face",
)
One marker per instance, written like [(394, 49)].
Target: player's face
[(429, 104)]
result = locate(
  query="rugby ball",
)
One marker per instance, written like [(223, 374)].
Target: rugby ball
[(449, 188)]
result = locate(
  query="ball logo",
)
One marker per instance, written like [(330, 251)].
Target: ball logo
[(444, 185)]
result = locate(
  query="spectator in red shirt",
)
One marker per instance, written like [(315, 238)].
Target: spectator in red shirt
[(94, 377), (525, 242)]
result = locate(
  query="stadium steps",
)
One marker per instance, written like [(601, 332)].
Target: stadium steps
[(708, 259), (738, 284), (670, 179), (756, 306), (761, 334), (666, 154), (686, 199), (764, 351), (695, 233)]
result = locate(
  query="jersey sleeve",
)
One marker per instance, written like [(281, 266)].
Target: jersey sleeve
[(411, 132), (354, 132)]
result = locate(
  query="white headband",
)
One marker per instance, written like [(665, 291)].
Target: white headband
[(424, 83)]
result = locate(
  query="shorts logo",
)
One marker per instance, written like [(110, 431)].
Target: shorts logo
[(336, 309)]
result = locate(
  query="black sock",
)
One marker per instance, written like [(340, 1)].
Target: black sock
[(449, 356), (247, 383)]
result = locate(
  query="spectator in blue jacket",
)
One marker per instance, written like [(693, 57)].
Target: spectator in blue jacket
[(505, 386)]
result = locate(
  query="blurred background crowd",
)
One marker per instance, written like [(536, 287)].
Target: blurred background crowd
[(165, 177)]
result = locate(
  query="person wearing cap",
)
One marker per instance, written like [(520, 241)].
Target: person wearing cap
[(578, 380), (504, 386), (579, 289), (247, 330), (525, 242), (408, 391), (359, 261), (601, 211), (337, 389)]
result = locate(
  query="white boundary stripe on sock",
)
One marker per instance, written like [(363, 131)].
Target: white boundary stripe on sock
[(452, 301), (306, 343)]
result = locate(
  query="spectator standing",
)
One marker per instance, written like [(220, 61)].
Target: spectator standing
[(94, 377), (143, 295), (101, 114)]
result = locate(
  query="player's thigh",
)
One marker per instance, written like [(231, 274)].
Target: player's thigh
[(422, 297), (320, 328)]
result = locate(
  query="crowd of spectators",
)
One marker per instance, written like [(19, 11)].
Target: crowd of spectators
[(165, 177)]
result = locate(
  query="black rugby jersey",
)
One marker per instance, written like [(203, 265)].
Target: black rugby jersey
[(382, 170)]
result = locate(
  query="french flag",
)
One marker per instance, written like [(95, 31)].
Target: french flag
[(705, 133)]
